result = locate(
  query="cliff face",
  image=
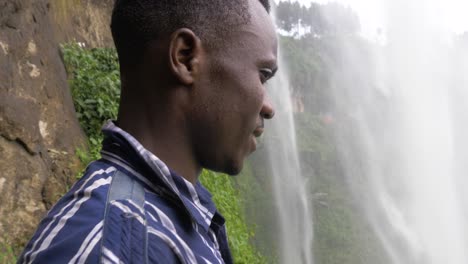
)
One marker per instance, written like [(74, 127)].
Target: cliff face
[(39, 132)]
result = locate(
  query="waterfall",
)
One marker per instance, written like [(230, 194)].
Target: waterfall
[(290, 187), (403, 139), (398, 105), (280, 203)]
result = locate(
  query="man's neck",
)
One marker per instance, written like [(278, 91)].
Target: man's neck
[(163, 134)]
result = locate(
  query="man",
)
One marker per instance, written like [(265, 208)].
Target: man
[(193, 97)]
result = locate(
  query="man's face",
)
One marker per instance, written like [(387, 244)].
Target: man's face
[(231, 96)]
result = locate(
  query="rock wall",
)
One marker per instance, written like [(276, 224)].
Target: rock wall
[(39, 132)]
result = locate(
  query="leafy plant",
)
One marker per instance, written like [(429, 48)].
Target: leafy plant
[(95, 86), (229, 203)]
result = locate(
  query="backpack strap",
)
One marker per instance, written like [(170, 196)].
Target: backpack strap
[(124, 187)]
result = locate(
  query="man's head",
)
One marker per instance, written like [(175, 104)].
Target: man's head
[(137, 22), (205, 63)]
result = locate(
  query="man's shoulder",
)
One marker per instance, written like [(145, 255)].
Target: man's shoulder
[(90, 191), (129, 222), (98, 169), (71, 229)]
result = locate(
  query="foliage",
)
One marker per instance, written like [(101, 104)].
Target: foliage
[(255, 187), (7, 254), (95, 84), (228, 201), (317, 19), (305, 66)]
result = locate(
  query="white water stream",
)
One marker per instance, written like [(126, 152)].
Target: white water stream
[(407, 158), (290, 189)]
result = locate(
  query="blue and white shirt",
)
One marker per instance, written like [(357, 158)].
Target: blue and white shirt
[(176, 222)]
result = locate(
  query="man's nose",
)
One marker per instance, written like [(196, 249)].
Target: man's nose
[(267, 111)]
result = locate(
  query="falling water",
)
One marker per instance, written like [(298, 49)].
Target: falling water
[(295, 225), (400, 116), (280, 206), (404, 134)]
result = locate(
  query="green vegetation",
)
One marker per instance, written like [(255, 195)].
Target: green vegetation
[(7, 254), (317, 19), (95, 86), (229, 202)]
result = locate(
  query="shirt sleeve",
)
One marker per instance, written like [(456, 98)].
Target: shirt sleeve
[(71, 231), (79, 229)]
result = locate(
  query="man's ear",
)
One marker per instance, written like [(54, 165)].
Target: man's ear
[(184, 50)]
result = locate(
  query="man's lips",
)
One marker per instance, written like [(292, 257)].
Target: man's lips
[(258, 131)]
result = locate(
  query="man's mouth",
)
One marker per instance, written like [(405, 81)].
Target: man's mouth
[(258, 131)]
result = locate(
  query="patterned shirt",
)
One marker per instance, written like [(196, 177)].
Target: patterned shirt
[(176, 221)]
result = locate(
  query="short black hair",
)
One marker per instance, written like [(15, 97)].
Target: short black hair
[(137, 22)]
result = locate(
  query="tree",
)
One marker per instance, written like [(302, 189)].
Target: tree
[(317, 19)]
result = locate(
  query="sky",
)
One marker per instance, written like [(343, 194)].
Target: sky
[(452, 14)]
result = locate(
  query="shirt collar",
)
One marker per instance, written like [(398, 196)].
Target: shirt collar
[(122, 148)]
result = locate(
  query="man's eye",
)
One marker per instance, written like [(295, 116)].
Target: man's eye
[(265, 74)]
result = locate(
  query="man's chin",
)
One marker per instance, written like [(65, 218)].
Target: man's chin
[(232, 168), (228, 165), (233, 171)]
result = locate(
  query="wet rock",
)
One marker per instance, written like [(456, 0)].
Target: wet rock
[(39, 131), (21, 181)]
